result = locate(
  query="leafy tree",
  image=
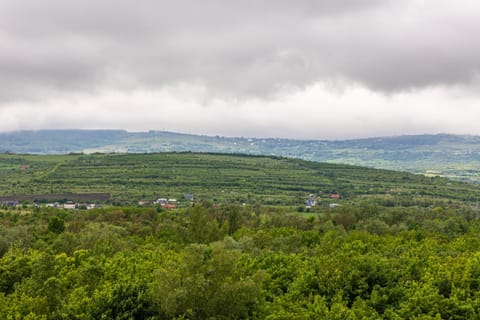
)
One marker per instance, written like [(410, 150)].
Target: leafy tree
[(56, 225)]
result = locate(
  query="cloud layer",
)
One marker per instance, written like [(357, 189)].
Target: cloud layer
[(238, 57), (316, 112)]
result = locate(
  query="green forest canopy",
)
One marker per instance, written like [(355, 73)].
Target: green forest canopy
[(362, 261)]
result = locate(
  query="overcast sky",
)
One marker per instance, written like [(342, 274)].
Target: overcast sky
[(324, 69)]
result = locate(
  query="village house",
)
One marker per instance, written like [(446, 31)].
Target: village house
[(171, 204), (87, 206), (53, 205), (161, 201), (189, 196), (310, 203), (10, 203), (70, 205)]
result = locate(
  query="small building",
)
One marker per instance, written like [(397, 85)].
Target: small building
[(52, 205), (310, 203), (70, 205), (161, 201), (189, 196), (335, 196), (87, 206), (10, 203), (334, 205)]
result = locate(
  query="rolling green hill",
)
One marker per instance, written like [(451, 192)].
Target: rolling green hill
[(215, 177), (451, 156)]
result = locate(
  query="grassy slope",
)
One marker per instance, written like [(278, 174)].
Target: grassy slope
[(451, 156), (214, 177)]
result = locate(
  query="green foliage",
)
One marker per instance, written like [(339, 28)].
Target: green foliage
[(235, 262), (398, 246), (56, 225), (207, 282)]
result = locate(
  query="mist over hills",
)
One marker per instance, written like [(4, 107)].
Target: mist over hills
[(453, 156)]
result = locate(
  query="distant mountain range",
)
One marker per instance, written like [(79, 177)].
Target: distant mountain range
[(454, 156)]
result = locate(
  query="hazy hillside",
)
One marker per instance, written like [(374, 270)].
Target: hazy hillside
[(446, 155), (57, 141)]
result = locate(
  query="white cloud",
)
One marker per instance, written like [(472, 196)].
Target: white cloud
[(318, 112), (317, 69)]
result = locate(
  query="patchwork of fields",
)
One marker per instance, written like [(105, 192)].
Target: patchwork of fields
[(214, 177)]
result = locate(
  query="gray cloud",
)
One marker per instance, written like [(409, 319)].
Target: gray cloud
[(234, 48)]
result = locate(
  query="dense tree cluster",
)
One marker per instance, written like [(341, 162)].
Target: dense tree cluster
[(363, 261)]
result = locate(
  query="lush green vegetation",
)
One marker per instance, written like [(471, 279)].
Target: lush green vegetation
[(446, 155), (397, 246), (365, 261), (215, 177)]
